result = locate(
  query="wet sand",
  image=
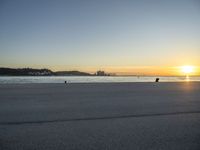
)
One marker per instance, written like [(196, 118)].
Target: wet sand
[(100, 116)]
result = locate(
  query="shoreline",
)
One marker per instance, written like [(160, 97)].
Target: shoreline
[(97, 79), (70, 83)]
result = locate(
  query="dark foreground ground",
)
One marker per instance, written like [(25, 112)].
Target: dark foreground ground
[(101, 116)]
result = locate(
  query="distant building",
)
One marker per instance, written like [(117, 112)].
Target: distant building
[(101, 73)]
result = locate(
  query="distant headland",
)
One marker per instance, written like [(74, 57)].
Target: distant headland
[(47, 72)]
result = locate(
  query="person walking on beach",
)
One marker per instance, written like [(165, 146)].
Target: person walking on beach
[(157, 80)]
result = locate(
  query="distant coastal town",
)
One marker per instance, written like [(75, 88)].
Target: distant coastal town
[(47, 72)]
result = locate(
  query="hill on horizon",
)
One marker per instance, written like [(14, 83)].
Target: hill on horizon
[(39, 72)]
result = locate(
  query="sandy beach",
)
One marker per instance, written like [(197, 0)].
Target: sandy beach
[(96, 116)]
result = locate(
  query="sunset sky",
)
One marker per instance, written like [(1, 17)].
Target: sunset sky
[(147, 37)]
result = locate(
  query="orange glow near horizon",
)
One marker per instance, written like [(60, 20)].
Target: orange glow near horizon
[(141, 70), (183, 70)]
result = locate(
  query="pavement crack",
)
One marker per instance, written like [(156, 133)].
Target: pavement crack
[(99, 118)]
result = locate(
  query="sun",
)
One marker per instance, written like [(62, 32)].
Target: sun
[(187, 69)]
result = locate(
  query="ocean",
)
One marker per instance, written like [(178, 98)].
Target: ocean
[(89, 79)]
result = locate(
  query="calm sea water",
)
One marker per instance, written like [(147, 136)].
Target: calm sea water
[(89, 79)]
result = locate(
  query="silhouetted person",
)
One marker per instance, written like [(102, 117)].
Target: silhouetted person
[(157, 80), (65, 82)]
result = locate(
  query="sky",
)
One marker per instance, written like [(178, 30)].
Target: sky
[(120, 36)]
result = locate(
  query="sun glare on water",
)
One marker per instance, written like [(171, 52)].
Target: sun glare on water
[(187, 69)]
